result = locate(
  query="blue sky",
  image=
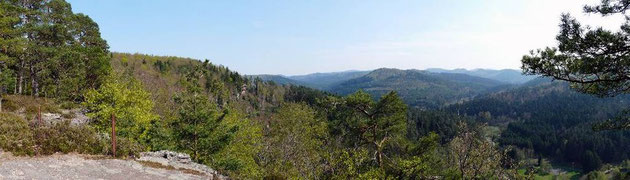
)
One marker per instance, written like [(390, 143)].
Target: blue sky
[(299, 37)]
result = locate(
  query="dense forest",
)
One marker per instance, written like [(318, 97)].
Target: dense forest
[(554, 121), (383, 124)]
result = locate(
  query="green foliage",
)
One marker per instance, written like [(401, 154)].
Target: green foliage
[(424, 162), (15, 135), (554, 121), (511, 76), (278, 79), (20, 138), (65, 138), (596, 175), (361, 122), (544, 167), (370, 141), (295, 142), (419, 89), (163, 67), (7, 80), (474, 156), (30, 105), (128, 102), (50, 50), (324, 81), (349, 163), (239, 157), (199, 130), (594, 60), (591, 161), (424, 122)]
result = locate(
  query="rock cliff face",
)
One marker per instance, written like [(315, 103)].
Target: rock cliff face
[(178, 161)]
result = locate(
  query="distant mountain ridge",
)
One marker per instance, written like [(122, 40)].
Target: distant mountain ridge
[(419, 88), (511, 76), (324, 81), (279, 79), (431, 88)]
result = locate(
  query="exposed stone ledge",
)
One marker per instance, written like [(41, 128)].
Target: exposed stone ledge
[(178, 161)]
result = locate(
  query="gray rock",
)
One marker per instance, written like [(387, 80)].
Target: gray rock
[(76, 166), (178, 161)]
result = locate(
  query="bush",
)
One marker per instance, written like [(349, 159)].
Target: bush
[(125, 148), (65, 138), (131, 105), (15, 134), (20, 138), (30, 105)]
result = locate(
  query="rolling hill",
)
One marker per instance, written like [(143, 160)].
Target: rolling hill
[(511, 76), (279, 79), (419, 88), (324, 81)]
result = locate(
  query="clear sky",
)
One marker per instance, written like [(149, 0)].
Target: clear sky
[(306, 36)]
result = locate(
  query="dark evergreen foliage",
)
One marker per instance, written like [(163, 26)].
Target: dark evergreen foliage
[(50, 51), (554, 121), (594, 60)]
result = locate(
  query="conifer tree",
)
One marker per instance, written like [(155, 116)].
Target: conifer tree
[(594, 60)]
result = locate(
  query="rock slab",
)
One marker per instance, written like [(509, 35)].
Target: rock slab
[(178, 161), (76, 166)]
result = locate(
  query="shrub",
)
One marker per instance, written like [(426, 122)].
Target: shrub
[(65, 138), (15, 134), (30, 104), (18, 137)]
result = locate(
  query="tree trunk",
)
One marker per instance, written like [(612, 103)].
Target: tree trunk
[(379, 151), (34, 83), (20, 78)]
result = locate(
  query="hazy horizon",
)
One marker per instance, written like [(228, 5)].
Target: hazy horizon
[(355, 70), (296, 38)]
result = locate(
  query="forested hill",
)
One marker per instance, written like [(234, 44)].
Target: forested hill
[(164, 77), (324, 81), (511, 76), (279, 79), (555, 121), (321, 81), (419, 88)]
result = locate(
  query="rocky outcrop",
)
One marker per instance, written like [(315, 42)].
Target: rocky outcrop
[(178, 161), (75, 116), (77, 166)]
